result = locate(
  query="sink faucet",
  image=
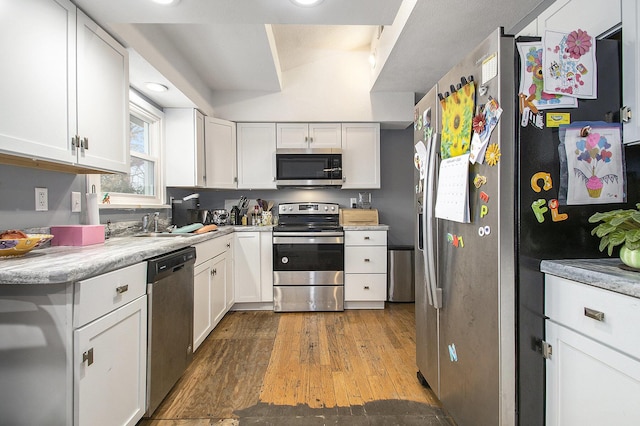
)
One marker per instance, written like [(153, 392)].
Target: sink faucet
[(145, 223), (156, 217)]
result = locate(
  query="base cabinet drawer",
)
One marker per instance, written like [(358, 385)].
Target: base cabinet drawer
[(99, 295), (365, 287), (603, 315), (365, 260)]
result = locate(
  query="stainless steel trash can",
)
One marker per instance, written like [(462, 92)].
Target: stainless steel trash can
[(400, 274)]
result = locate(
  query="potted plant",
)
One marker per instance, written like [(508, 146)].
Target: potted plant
[(620, 227)]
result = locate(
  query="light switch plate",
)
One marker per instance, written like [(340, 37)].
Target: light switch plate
[(76, 205)]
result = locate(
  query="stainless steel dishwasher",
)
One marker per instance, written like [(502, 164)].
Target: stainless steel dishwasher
[(170, 327)]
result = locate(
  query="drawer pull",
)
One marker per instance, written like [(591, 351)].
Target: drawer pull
[(592, 313), (122, 288), (367, 238), (88, 356), (366, 287), (367, 260), (228, 245)]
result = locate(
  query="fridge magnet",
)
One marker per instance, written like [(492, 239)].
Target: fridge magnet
[(484, 196), (455, 240), (594, 163), (545, 178), (555, 119), (479, 180), (539, 208), (484, 230), (484, 210), (530, 113), (453, 356), (420, 158), (569, 63), (493, 154), (426, 124), (457, 117), (416, 117), (555, 216), (532, 79)]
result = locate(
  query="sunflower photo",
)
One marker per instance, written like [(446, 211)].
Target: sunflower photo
[(457, 118)]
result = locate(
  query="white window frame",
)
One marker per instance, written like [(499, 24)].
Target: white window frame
[(146, 111)]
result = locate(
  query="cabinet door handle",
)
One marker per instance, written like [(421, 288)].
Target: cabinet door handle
[(310, 138), (214, 272), (306, 139), (88, 356), (228, 245), (122, 288), (85, 143), (592, 313)]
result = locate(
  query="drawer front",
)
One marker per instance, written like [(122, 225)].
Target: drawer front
[(365, 238), (365, 287), (603, 315), (97, 296), (365, 260), (211, 248)]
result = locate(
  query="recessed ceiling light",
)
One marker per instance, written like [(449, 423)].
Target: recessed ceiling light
[(156, 87), (166, 2), (307, 3)]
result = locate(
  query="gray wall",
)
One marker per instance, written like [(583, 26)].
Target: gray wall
[(17, 197), (394, 200)]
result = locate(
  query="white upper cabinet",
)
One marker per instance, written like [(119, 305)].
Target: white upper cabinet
[(103, 98), (220, 151), (631, 68), (184, 147), (256, 155), (311, 135), (38, 43), (63, 69), (361, 155)]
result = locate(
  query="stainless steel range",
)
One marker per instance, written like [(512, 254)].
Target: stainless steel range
[(308, 258)]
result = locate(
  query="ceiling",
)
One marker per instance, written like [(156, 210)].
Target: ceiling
[(200, 47)]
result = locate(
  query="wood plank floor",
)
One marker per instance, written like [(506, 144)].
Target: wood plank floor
[(318, 360)]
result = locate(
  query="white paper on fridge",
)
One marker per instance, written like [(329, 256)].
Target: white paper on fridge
[(452, 198)]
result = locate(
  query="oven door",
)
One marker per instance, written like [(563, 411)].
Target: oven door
[(308, 272)]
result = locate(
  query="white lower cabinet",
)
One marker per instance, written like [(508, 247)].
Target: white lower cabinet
[(593, 373), (110, 348), (110, 360), (365, 267), (211, 286), (253, 270)]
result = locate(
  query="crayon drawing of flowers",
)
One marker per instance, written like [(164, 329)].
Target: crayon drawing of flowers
[(591, 152), (578, 43)]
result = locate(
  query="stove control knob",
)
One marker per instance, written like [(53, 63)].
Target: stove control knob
[(284, 260), (326, 208), (333, 208), (290, 209)]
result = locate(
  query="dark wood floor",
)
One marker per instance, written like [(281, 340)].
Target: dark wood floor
[(261, 365)]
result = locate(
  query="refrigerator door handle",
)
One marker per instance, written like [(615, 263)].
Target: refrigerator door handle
[(429, 252)]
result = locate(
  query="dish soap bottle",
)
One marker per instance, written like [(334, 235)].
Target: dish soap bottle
[(235, 213)]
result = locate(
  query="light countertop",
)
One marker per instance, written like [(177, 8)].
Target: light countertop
[(61, 264), (602, 273)]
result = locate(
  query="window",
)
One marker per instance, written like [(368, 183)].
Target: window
[(142, 186)]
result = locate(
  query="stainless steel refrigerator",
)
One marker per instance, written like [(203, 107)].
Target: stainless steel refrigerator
[(480, 304)]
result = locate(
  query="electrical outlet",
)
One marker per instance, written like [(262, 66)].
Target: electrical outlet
[(352, 202), (42, 200), (75, 202)]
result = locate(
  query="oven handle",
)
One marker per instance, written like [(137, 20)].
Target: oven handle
[(309, 234), (308, 239)]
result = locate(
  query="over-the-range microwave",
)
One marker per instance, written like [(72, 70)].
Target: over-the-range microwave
[(309, 167)]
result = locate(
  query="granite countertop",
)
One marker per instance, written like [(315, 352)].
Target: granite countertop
[(603, 273), (366, 227), (61, 264)]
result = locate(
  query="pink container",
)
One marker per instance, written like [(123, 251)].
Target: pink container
[(77, 235)]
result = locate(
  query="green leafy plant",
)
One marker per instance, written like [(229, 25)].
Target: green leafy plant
[(618, 227)]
